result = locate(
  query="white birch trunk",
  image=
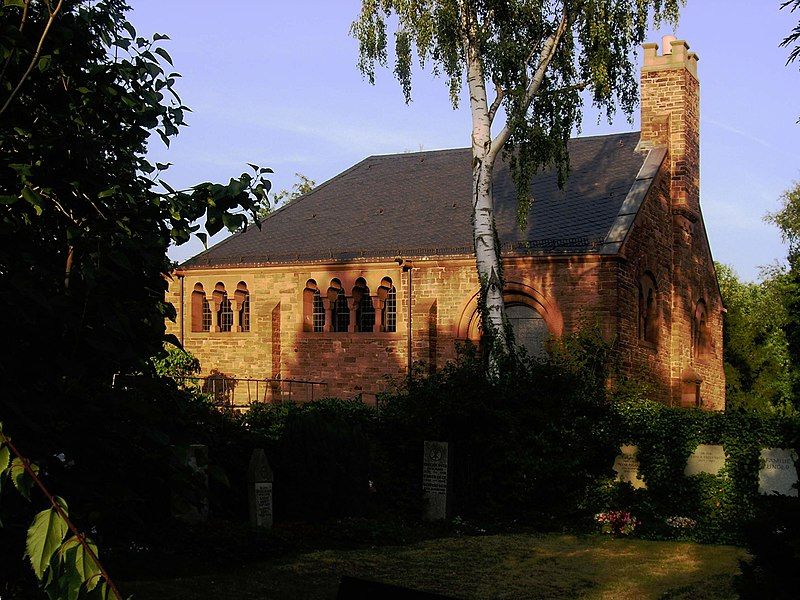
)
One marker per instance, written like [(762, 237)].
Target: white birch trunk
[(486, 250)]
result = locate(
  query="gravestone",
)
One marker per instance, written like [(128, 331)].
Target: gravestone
[(259, 489), (190, 500), (779, 474), (707, 458), (627, 466), (435, 479)]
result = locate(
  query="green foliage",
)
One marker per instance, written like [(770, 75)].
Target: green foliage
[(85, 219), (85, 223), (301, 187), (794, 35), (773, 540), (65, 569), (665, 437), (526, 445), (509, 41), (176, 363), (788, 221), (757, 373), (44, 538), (320, 453)]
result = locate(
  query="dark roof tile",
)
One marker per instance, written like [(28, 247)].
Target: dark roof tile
[(418, 204)]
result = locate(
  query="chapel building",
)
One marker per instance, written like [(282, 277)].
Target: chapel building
[(325, 289)]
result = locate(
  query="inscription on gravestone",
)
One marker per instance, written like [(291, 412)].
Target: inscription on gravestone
[(260, 478), (779, 474), (707, 458), (627, 466), (435, 474)]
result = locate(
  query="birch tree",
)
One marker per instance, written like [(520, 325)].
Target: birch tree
[(524, 64)]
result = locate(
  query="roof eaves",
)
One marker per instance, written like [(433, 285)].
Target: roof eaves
[(621, 227)]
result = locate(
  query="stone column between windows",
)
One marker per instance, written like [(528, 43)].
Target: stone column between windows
[(326, 304), (236, 307), (215, 315), (378, 305), (352, 304)]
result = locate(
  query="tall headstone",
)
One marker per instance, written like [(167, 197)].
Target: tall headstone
[(259, 484), (627, 466), (190, 500), (436, 479), (779, 473), (707, 458)]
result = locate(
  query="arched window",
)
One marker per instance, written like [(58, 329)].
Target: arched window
[(701, 336), (340, 314), (389, 316), (365, 311), (225, 315), (529, 327), (242, 296), (318, 314), (201, 312), (224, 308), (206, 325), (648, 309), (340, 311), (313, 308)]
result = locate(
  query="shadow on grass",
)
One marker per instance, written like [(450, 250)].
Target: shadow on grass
[(491, 566)]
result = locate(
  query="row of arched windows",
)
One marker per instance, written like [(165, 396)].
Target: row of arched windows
[(650, 318), (221, 312), (332, 309)]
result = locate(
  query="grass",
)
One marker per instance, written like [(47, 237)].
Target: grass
[(493, 566)]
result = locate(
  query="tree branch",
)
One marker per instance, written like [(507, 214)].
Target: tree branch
[(501, 93), (14, 48), (4, 439), (35, 58), (546, 55)]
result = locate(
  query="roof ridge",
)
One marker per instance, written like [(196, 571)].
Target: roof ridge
[(464, 148)]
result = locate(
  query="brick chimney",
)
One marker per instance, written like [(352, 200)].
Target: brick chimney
[(671, 117)]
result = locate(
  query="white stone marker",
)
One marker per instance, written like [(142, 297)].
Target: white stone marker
[(259, 479), (779, 474), (435, 482), (707, 458), (627, 466)]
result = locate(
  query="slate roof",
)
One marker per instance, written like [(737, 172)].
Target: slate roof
[(418, 204)]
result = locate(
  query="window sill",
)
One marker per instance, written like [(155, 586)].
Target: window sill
[(217, 334), (651, 346), (347, 335)]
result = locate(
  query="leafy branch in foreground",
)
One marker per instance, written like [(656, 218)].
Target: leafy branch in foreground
[(66, 568)]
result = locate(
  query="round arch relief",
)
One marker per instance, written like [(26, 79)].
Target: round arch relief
[(533, 318)]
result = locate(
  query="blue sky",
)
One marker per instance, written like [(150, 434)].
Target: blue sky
[(276, 83)]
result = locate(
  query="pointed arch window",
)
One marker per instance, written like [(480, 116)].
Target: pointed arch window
[(648, 309), (701, 336)]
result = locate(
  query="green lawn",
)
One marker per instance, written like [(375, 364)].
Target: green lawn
[(496, 566)]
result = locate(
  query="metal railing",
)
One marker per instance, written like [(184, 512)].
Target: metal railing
[(234, 392)]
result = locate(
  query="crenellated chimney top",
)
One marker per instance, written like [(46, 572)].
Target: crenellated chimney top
[(675, 53)]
